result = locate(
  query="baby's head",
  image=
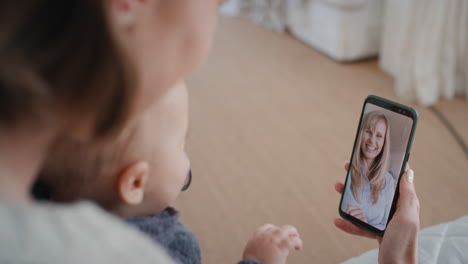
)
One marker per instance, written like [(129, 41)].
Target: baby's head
[(140, 173)]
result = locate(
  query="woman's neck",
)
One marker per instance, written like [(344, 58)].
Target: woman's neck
[(368, 163), (21, 154)]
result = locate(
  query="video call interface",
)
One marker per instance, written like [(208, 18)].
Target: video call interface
[(376, 165)]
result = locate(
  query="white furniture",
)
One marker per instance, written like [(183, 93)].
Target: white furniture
[(345, 30), (271, 13), (423, 44)]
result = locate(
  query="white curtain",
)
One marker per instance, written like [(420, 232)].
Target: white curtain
[(424, 42), (271, 13), (425, 47)]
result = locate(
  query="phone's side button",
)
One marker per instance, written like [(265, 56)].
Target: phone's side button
[(406, 160)]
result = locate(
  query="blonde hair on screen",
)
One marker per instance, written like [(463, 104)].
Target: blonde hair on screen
[(378, 169)]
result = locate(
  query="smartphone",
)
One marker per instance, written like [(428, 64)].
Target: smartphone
[(378, 160)]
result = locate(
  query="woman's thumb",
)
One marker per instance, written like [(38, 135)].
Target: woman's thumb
[(408, 200)]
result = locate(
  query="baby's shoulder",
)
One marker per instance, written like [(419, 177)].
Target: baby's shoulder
[(69, 231)]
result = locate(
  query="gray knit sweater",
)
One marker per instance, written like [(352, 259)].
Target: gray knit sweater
[(166, 230)]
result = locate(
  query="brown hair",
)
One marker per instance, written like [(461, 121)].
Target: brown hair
[(76, 170), (59, 57), (376, 172)]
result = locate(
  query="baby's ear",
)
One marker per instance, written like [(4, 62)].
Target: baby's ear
[(132, 182)]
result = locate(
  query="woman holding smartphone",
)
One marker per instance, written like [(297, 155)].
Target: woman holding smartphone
[(369, 194), (84, 69)]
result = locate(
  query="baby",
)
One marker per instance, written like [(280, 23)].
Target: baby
[(139, 176)]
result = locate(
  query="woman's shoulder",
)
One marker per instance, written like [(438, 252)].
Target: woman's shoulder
[(76, 233)]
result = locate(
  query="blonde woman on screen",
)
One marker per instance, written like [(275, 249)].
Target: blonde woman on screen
[(370, 191)]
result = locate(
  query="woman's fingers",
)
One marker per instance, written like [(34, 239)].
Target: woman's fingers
[(339, 187), (408, 203), (353, 208), (362, 217), (358, 213), (350, 228)]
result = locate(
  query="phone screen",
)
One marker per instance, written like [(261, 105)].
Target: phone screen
[(377, 162)]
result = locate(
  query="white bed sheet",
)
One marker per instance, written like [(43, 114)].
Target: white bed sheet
[(445, 243)]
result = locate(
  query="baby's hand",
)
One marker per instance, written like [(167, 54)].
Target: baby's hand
[(271, 244)]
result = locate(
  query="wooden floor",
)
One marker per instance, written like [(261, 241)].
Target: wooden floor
[(272, 121)]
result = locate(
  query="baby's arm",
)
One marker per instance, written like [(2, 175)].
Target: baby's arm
[(271, 245)]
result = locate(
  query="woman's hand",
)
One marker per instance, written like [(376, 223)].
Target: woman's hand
[(357, 212), (271, 244), (399, 243)]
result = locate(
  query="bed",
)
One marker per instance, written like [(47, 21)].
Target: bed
[(441, 244)]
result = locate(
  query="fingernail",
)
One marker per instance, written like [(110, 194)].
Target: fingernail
[(410, 176)]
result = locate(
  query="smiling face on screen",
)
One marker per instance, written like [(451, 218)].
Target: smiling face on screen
[(373, 140)]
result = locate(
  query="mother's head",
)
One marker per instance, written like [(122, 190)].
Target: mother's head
[(372, 152), (87, 67), (99, 60)]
